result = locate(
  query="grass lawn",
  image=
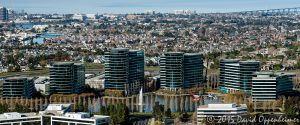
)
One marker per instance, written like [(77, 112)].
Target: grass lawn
[(94, 66), (151, 68), (90, 67), (38, 72)]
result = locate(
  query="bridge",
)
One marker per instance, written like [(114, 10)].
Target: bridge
[(281, 11)]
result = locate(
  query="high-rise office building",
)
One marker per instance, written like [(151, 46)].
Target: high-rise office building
[(192, 70), (236, 75), (268, 86), (181, 71), (67, 78), (3, 14), (18, 87), (124, 70), (79, 77)]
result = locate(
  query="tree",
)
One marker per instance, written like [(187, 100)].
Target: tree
[(32, 62), (21, 109), (184, 117), (43, 63), (158, 111), (168, 113), (119, 113), (79, 107), (292, 106), (298, 65), (4, 108)]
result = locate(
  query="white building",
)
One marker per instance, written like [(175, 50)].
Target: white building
[(12, 118), (56, 109), (42, 85), (219, 110), (81, 119), (54, 114), (96, 82)]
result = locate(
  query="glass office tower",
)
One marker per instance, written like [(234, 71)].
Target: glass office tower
[(18, 87), (181, 71), (124, 70), (193, 70), (236, 75), (67, 78)]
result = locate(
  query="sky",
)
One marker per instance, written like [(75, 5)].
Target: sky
[(138, 6)]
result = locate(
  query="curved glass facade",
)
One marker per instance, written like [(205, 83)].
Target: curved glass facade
[(67, 78), (193, 70), (18, 87), (124, 70), (237, 75), (181, 71)]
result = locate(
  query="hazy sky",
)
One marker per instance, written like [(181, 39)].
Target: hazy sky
[(137, 6)]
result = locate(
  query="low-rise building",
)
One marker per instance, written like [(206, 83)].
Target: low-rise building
[(81, 118), (217, 111), (54, 114), (56, 109), (12, 118)]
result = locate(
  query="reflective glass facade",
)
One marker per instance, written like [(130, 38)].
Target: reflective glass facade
[(124, 70), (67, 78), (181, 71), (237, 75), (18, 87)]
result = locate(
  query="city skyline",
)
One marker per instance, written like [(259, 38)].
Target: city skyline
[(136, 6)]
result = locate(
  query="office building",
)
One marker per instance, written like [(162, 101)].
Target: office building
[(268, 86), (13, 118), (80, 118), (219, 111), (67, 78), (181, 71), (56, 109), (18, 87), (124, 70), (54, 114), (236, 75), (3, 14), (79, 79), (61, 113)]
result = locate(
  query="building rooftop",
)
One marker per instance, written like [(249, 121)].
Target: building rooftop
[(119, 49), (63, 63), (83, 115), (192, 54), (41, 80), (134, 50), (18, 78), (15, 115), (223, 105), (56, 109), (261, 75), (249, 61), (174, 53), (230, 60)]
